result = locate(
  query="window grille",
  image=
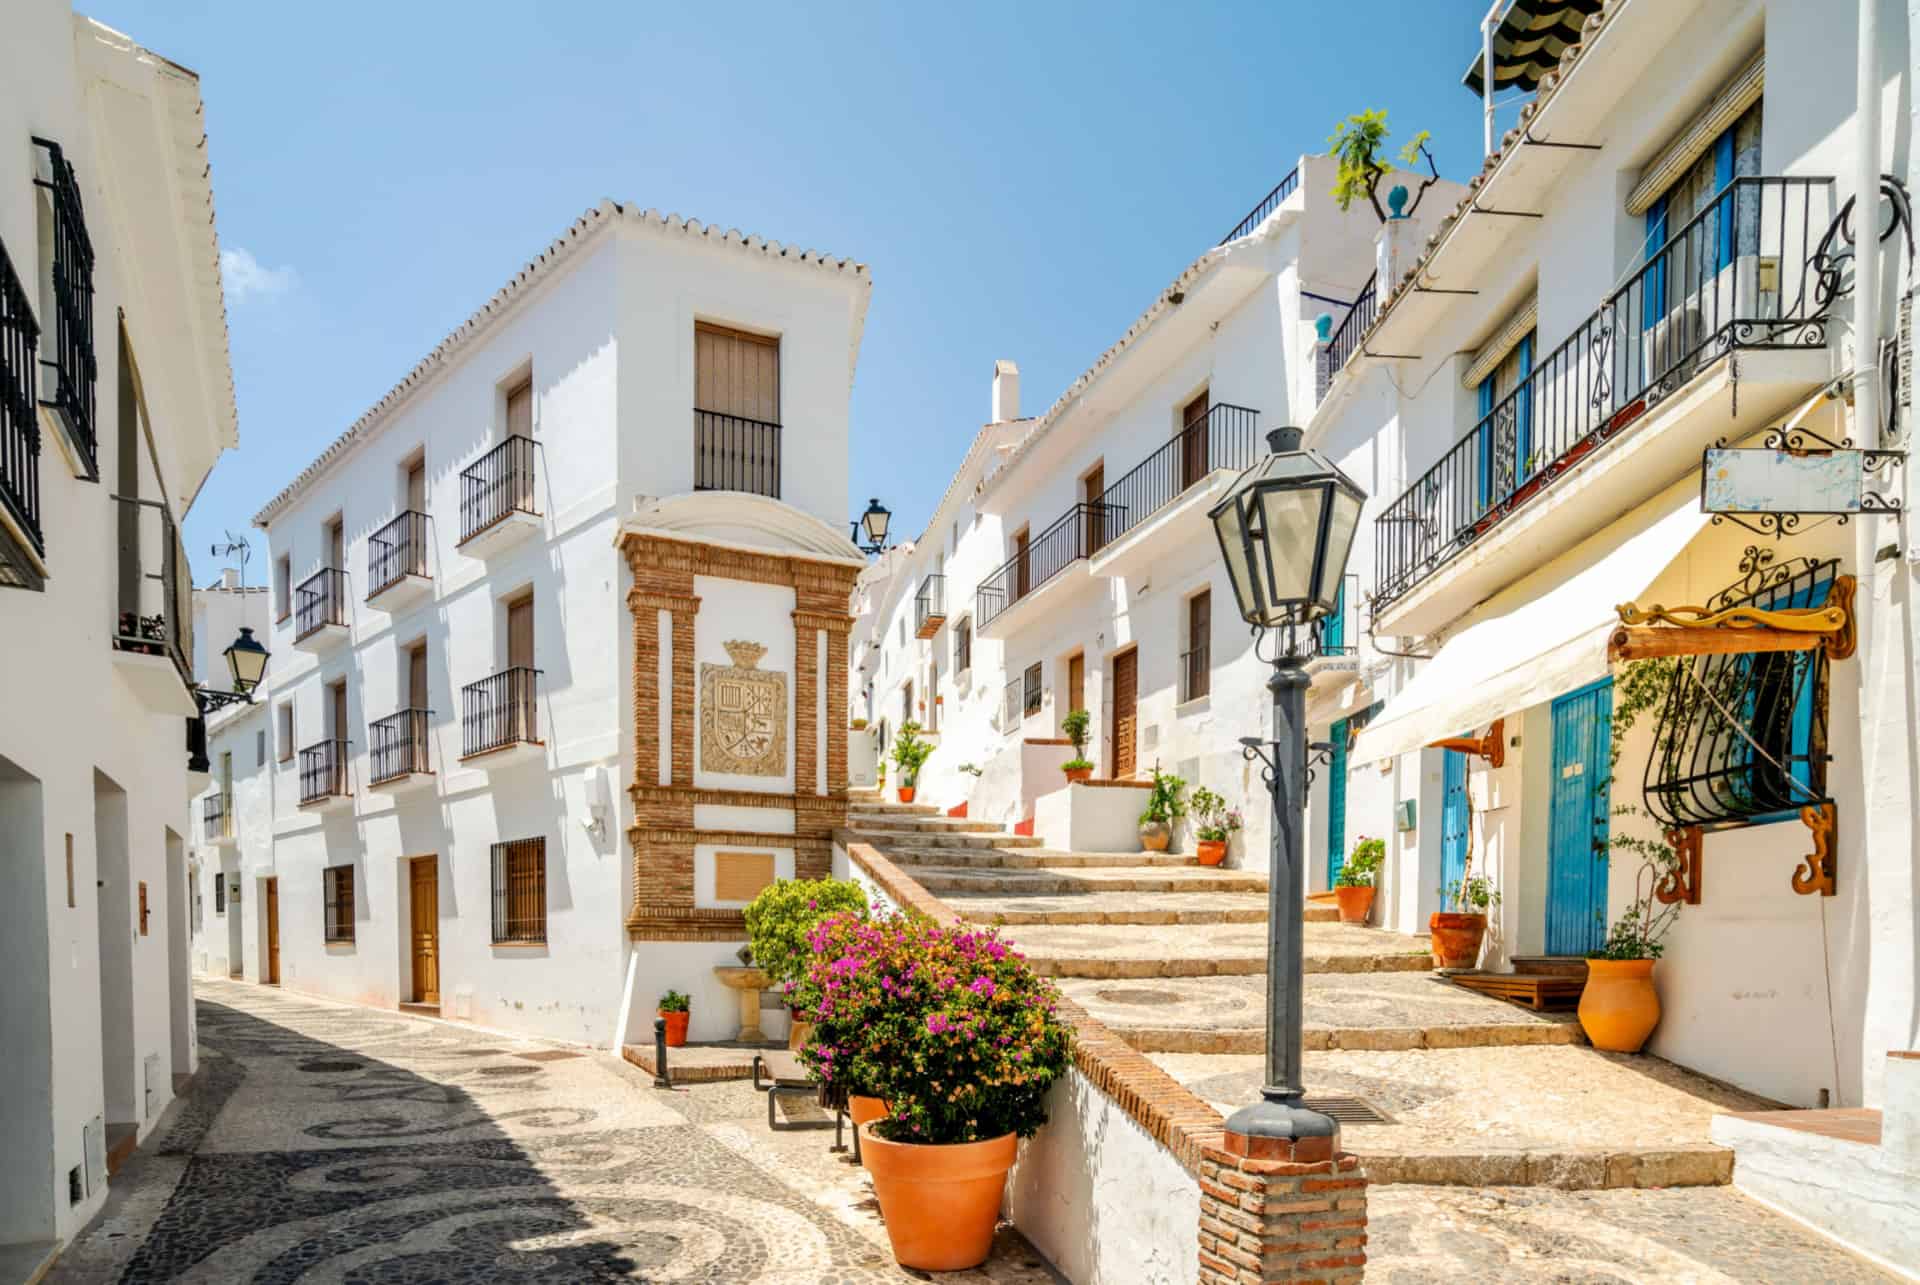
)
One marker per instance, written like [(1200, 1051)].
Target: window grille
[(338, 891), (520, 891)]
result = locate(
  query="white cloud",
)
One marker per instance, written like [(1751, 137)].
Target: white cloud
[(243, 276)]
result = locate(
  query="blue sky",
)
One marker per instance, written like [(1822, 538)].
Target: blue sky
[(1023, 180)]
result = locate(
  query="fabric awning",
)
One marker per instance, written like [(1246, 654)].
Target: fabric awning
[(1546, 646), (1529, 41)]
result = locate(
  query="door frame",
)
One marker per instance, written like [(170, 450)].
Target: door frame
[(1113, 722), (417, 995), (270, 929), (1595, 754)]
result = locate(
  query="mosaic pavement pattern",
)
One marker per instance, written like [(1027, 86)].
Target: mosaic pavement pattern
[(327, 1143)]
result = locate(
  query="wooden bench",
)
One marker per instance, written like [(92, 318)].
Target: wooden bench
[(1538, 991)]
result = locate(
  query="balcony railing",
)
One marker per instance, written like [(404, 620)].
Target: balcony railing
[(1196, 672), (1345, 339), (19, 418), (1268, 204), (323, 772), (930, 606), (1751, 271), (1080, 531), (396, 551), (320, 600), (1227, 436), (397, 745), (155, 604), (500, 710), (1338, 634), (732, 453), (216, 817), (496, 486), (74, 368)]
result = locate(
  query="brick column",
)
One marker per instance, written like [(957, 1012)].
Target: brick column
[(685, 692), (837, 711), (1270, 1213), (806, 696), (646, 688)]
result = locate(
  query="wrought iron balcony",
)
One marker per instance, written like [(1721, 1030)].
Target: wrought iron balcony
[(499, 712), (1080, 531), (397, 746), (23, 568), (930, 607), (1196, 672), (732, 453), (154, 606), (396, 551), (497, 486), (323, 773), (74, 369), (1345, 339), (1757, 269), (320, 601), (1268, 204), (1226, 437), (216, 817)]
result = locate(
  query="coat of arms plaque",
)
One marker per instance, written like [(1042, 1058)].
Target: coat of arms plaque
[(743, 715)]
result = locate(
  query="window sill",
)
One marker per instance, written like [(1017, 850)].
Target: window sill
[(537, 948), (1198, 705)]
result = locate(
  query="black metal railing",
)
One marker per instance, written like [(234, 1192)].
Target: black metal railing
[(519, 879), (500, 710), (930, 605), (320, 600), (1338, 633), (496, 486), (1227, 436), (397, 745), (732, 453), (19, 418), (323, 771), (74, 368), (1080, 531), (154, 607), (396, 551), (1345, 339), (1196, 672), (1749, 271), (216, 816), (1268, 204)]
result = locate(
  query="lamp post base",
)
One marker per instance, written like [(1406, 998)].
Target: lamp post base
[(1280, 1126)]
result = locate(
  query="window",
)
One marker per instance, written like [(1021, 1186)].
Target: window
[(520, 409), (520, 892), (282, 587), (219, 894), (1729, 223), (963, 646), (1196, 669), (1193, 439), (1506, 424), (1023, 563), (283, 714), (1093, 493), (1030, 690), (338, 894), (736, 411)]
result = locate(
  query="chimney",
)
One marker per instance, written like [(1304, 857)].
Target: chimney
[(229, 578), (1006, 391)]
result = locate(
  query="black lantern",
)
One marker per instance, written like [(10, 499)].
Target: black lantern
[(246, 661), (1285, 530), (873, 525)]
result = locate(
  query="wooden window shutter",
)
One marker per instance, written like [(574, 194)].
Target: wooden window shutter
[(520, 410), (735, 373)]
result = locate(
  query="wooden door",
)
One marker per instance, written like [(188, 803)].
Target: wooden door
[(1093, 489), (1577, 821), (338, 696), (417, 678), (336, 546), (1076, 683), (1193, 451), (519, 691), (1454, 818), (1126, 712), (1022, 565), (425, 903), (417, 486), (1337, 801), (519, 475), (273, 932)]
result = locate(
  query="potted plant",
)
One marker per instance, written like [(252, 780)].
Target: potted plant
[(1164, 806), (859, 725), (910, 753), (780, 922), (1215, 824), (674, 1007), (1457, 933), (959, 1036), (1354, 887), (1075, 724)]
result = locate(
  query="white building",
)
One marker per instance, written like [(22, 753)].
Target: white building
[(1650, 266), (116, 398), (1070, 565), (490, 595)]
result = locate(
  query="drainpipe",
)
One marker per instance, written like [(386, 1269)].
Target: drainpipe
[(1487, 24), (1866, 219)]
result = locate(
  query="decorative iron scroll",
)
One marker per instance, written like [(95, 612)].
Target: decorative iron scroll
[(1858, 482), (1682, 883)]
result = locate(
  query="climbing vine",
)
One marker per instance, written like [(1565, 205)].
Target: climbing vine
[(1641, 929)]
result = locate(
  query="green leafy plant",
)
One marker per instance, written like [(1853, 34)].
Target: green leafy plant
[(1166, 803), (1640, 931), (1075, 725), (782, 918), (1359, 144), (971, 770), (859, 725), (1362, 865), (1471, 895), (1214, 821), (910, 753), (674, 1002)]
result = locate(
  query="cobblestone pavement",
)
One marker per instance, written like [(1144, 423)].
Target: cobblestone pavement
[(322, 1142), (1497, 1235)]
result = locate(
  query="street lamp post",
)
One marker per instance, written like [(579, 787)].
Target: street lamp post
[(1286, 528), (873, 525)]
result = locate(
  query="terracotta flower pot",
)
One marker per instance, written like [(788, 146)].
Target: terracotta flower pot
[(1456, 939), (1211, 851), (1356, 903), (906, 794), (799, 1035), (865, 1110), (1079, 773), (677, 1028), (940, 1203), (1155, 835), (1619, 1006)]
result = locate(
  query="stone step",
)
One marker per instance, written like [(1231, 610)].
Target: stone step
[(949, 842), (1376, 1011), (896, 809), (1080, 907), (1208, 950), (1008, 882), (864, 820), (1031, 859)]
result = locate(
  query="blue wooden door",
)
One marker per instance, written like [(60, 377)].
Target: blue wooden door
[(1576, 864), (1453, 820), (1337, 802)]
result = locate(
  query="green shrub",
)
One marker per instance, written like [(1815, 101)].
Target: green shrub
[(1165, 803), (780, 919), (910, 753), (1363, 864), (673, 1002)]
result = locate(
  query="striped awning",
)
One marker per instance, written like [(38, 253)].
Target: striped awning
[(1529, 41)]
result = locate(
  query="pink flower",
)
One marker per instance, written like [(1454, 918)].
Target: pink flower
[(982, 985)]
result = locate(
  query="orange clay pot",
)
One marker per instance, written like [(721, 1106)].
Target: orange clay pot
[(864, 1109), (677, 1029), (1078, 773), (906, 794), (1456, 938), (1619, 1006), (1210, 851), (1356, 903), (940, 1203)]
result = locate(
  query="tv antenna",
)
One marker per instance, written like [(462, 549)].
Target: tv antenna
[(236, 548)]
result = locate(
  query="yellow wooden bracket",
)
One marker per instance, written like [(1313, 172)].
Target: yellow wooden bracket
[(1491, 748), (1696, 631), (1815, 873)]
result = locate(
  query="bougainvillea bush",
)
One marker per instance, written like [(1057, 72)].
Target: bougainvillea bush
[(780, 919), (949, 1025)]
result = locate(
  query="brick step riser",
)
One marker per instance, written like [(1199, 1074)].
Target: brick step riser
[(930, 825), (947, 881), (1083, 918), (946, 842), (1093, 969), (1159, 1039), (1017, 860)]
